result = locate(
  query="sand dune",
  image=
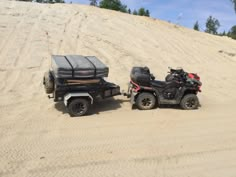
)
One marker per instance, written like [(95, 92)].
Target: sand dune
[(37, 136)]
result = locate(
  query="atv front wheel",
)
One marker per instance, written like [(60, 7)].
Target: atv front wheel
[(78, 107), (145, 101), (189, 102)]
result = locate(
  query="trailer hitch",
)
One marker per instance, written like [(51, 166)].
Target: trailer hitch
[(49, 96)]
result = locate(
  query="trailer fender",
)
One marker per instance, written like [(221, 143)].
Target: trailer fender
[(68, 96)]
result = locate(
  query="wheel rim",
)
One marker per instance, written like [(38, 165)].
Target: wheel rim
[(191, 103), (78, 108), (147, 102)]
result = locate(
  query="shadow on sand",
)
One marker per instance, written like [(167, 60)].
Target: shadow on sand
[(165, 106), (97, 107)]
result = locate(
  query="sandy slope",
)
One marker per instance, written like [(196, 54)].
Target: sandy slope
[(38, 138)]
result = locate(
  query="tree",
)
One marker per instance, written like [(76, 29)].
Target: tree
[(59, 1), (212, 25), (224, 33), (113, 5), (232, 32), (129, 11), (147, 13), (196, 26), (141, 12), (234, 2), (135, 12), (93, 2)]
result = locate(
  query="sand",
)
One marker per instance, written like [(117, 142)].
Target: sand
[(39, 138)]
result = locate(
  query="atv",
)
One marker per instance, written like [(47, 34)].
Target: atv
[(180, 88), (79, 82)]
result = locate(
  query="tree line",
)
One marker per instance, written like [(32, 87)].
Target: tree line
[(119, 6), (212, 25)]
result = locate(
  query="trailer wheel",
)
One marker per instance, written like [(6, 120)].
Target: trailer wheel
[(48, 83), (145, 101), (78, 107), (189, 102)]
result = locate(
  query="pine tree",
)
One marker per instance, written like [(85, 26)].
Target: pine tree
[(234, 2), (141, 12), (147, 13), (135, 12), (196, 26), (113, 5), (129, 11), (93, 2), (233, 32), (212, 25)]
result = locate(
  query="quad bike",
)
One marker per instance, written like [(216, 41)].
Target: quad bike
[(180, 88)]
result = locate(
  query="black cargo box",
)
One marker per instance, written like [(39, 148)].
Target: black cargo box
[(78, 67), (141, 75)]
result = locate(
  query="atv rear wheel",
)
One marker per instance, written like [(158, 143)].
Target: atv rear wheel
[(48, 83), (189, 102), (78, 107), (146, 101)]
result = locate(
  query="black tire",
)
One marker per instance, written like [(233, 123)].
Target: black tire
[(78, 107), (145, 101), (48, 83), (189, 102)]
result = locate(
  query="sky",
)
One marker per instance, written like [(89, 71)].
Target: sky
[(185, 12)]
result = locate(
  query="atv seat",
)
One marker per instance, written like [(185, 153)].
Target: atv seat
[(178, 71), (163, 84)]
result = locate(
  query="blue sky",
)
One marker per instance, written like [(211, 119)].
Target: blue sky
[(185, 12)]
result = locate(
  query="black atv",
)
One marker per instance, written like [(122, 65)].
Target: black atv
[(78, 81), (181, 88)]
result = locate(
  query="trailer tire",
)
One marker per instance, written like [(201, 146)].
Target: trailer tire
[(48, 83), (78, 107)]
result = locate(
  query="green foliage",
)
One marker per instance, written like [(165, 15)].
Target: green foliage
[(212, 25), (118, 6), (196, 26), (129, 11), (93, 2), (141, 12), (234, 2), (59, 1), (224, 33), (113, 5), (147, 13), (135, 12), (232, 32)]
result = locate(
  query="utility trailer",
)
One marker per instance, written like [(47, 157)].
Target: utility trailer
[(78, 81)]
